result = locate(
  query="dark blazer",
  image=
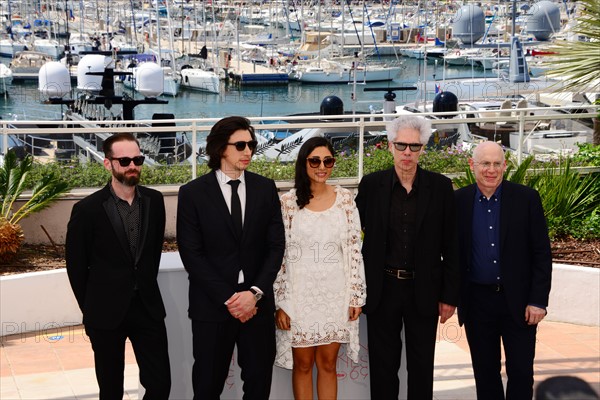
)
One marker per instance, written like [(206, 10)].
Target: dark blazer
[(525, 255), (436, 247), (101, 269), (213, 255)]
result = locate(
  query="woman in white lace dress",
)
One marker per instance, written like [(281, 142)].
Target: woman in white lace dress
[(320, 289)]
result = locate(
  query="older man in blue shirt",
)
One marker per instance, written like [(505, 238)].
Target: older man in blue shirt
[(506, 268)]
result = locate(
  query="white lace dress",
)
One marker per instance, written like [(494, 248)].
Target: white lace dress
[(321, 276)]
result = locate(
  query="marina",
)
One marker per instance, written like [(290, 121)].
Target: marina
[(176, 60)]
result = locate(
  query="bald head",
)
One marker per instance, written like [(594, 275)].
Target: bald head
[(487, 148), (488, 166)]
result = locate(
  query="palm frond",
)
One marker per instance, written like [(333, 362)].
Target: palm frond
[(578, 63), (44, 193), (14, 184)]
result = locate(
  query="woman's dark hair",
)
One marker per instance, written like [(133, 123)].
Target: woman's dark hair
[(117, 137), (302, 182), (219, 135)]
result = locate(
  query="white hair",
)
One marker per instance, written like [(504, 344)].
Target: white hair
[(418, 123)]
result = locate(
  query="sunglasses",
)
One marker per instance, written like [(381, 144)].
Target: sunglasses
[(414, 147), (125, 161), (315, 162), (241, 145)]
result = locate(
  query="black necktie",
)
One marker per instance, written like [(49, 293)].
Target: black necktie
[(236, 207)]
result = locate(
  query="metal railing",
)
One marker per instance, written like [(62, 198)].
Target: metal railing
[(193, 130)]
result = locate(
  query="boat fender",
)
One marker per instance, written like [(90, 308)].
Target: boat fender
[(341, 74)]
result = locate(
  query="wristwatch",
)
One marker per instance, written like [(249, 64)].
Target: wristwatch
[(257, 295)]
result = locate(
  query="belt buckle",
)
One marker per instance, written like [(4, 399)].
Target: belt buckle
[(400, 271)]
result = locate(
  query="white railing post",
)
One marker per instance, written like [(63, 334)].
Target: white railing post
[(4, 140), (361, 147), (194, 150), (521, 131)]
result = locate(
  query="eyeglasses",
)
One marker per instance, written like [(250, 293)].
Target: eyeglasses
[(414, 147), (315, 162), (488, 165), (241, 145), (125, 161)]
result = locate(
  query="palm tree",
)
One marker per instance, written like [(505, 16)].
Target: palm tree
[(13, 175), (578, 63)]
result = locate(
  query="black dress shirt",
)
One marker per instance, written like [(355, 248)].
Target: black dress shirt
[(131, 216), (402, 227)]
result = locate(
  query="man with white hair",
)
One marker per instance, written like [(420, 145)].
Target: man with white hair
[(410, 252)]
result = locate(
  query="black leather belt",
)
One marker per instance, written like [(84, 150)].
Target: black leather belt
[(493, 287), (399, 273)]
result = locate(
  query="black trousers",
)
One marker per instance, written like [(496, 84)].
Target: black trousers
[(213, 349), (488, 324), (397, 311), (149, 341)]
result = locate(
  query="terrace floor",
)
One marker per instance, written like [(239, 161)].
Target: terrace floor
[(60, 365)]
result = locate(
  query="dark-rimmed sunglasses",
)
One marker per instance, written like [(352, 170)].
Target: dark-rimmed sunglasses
[(125, 161), (414, 147), (241, 145), (315, 162)]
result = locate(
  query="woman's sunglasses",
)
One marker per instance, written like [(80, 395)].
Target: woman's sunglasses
[(315, 162), (414, 147), (125, 161), (241, 145)]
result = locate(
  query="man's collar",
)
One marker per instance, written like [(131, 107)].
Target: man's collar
[(223, 178)]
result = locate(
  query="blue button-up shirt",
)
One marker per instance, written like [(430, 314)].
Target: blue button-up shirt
[(486, 239)]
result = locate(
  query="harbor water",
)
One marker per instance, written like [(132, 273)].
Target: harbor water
[(24, 102)]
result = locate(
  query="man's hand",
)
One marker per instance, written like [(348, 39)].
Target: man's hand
[(242, 305), (446, 311), (282, 320), (534, 315)]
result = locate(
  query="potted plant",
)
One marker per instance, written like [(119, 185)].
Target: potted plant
[(13, 176)]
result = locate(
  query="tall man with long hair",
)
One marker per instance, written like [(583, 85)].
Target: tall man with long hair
[(231, 240)]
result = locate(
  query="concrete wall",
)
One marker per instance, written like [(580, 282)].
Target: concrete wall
[(56, 217), (43, 300)]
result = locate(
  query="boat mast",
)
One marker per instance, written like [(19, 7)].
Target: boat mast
[(156, 10)]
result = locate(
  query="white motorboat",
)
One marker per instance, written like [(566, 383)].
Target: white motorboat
[(200, 79), (9, 48), (48, 46), (26, 64), (6, 78), (328, 71)]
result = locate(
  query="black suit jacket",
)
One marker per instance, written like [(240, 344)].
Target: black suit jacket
[(213, 255), (101, 269), (525, 255), (436, 248)]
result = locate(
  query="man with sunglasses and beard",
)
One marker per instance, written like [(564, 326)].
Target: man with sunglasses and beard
[(410, 252), (231, 240), (113, 249)]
